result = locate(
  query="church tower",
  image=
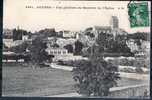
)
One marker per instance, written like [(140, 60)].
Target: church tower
[(114, 22)]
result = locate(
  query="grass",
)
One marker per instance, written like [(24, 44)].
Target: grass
[(25, 81), (22, 80)]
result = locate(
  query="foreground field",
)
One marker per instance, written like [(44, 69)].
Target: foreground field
[(25, 81)]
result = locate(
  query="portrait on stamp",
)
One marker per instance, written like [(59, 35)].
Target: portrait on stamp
[(138, 14)]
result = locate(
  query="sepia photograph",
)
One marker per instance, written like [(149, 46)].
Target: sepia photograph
[(82, 49)]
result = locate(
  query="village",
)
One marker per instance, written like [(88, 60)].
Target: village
[(129, 51)]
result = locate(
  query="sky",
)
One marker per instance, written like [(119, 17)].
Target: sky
[(33, 19)]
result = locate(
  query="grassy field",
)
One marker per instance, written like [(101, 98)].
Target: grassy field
[(25, 81)]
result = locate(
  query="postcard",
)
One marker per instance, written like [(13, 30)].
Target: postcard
[(79, 49)]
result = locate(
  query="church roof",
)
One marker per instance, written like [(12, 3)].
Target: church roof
[(102, 27)]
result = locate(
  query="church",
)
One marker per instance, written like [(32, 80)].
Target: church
[(113, 28)]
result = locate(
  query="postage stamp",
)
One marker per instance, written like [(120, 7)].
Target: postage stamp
[(138, 14)]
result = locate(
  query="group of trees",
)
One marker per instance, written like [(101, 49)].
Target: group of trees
[(111, 45), (37, 53), (18, 33), (48, 32), (20, 48), (69, 47), (139, 35), (115, 46), (76, 49)]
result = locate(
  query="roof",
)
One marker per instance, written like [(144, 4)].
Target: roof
[(102, 27), (55, 48)]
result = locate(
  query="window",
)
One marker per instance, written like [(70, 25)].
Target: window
[(64, 52), (55, 52), (59, 52), (51, 52)]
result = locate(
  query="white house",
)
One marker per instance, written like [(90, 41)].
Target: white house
[(8, 42), (132, 45), (59, 53), (69, 34)]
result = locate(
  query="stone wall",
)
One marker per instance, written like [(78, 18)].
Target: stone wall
[(130, 91)]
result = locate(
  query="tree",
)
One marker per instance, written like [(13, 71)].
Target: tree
[(95, 76), (102, 40), (90, 34), (119, 47), (48, 32), (17, 34), (55, 45), (69, 47), (37, 51), (20, 48), (78, 47), (139, 35)]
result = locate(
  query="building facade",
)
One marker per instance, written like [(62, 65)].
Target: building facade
[(57, 51), (68, 34)]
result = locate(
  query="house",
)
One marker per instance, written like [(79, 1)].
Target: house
[(7, 37), (63, 42), (145, 45), (7, 34), (8, 42), (58, 53), (132, 45), (17, 42), (68, 34)]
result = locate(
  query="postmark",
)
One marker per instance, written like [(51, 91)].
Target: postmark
[(138, 14)]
